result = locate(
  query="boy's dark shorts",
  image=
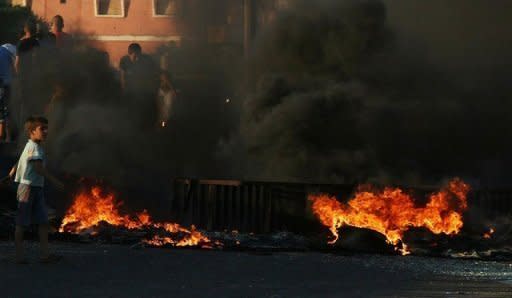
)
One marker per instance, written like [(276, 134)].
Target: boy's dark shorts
[(31, 206), (5, 92)]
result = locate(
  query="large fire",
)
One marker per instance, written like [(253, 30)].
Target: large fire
[(94, 206), (392, 212)]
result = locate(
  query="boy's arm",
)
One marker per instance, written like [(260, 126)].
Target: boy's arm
[(41, 170), (9, 178), (17, 64), (12, 172)]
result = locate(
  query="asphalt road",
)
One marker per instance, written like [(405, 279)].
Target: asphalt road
[(96, 270)]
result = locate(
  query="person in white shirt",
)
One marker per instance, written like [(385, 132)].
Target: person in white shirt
[(30, 174), (165, 100)]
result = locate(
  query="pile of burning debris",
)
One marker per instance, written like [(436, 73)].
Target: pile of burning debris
[(370, 218), (95, 215), (391, 212), (434, 228)]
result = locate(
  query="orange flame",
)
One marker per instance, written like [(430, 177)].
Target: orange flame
[(195, 237), (488, 235), (90, 208), (391, 212)]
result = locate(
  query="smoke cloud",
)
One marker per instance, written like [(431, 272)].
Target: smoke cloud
[(355, 91), (336, 91)]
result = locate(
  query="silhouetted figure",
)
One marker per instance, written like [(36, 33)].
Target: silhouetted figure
[(25, 56), (25, 66), (139, 81), (45, 38), (62, 39), (7, 58)]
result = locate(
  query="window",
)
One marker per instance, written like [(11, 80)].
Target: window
[(165, 8), (109, 8), (18, 2)]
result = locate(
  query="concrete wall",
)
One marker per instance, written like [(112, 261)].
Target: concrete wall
[(112, 33), (214, 21)]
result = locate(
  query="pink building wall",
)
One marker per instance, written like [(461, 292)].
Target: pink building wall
[(111, 33), (214, 21)]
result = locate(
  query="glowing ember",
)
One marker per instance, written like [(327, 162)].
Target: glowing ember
[(391, 212), (90, 208), (488, 235)]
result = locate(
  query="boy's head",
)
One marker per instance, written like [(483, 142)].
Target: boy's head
[(57, 23), (36, 128), (30, 27), (134, 51)]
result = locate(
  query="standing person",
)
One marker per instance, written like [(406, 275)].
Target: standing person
[(138, 71), (139, 81), (62, 39), (25, 50), (129, 66), (30, 174), (7, 58), (25, 68), (46, 39), (165, 100)]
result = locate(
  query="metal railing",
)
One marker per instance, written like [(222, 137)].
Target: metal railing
[(258, 207), (263, 207)]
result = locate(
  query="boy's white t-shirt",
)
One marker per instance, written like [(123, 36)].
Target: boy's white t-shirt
[(25, 173)]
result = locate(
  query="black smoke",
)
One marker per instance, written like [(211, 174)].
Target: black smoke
[(336, 91), (344, 94), (99, 131)]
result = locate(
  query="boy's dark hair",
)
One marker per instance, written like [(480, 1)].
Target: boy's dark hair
[(134, 48), (58, 20), (30, 26), (33, 122)]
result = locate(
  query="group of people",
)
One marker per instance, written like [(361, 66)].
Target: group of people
[(17, 61), (30, 172), (141, 79), (143, 83)]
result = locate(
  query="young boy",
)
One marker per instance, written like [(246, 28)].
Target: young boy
[(30, 174)]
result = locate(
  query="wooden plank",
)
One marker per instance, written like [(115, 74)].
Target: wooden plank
[(261, 209), (238, 208), (254, 208), (276, 208), (221, 214), (210, 205), (199, 205), (179, 201), (221, 182), (230, 207), (245, 208), (268, 211)]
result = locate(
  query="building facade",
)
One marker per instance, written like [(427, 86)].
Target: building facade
[(111, 25)]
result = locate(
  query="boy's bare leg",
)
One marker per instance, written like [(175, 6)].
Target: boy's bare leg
[(18, 240), (43, 239), (2, 127)]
